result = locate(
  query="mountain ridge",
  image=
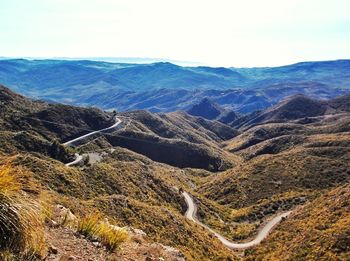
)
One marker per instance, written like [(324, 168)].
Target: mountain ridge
[(165, 87)]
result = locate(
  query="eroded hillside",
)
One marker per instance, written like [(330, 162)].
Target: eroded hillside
[(132, 176)]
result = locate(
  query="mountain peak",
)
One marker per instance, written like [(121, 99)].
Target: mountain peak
[(206, 108)]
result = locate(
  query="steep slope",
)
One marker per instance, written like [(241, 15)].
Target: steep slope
[(341, 103), (206, 109), (20, 113), (195, 144), (293, 108), (228, 117), (212, 111), (317, 231), (28, 125)]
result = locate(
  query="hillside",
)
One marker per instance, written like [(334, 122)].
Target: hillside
[(317, 231), (284, 165), (127, 188), (206, 109), (293, 108), (152, 135), (212, 111), (131, 178), (275, 150)]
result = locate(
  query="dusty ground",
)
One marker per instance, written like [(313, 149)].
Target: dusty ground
[(66, 245), (72, 247)]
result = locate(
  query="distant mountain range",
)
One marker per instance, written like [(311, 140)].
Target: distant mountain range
[(134, 60), (165, 87)]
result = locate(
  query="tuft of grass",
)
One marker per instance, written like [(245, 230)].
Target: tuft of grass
[(111, 237), (88, 226), (22, 232)]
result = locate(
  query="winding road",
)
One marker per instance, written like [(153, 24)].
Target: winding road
[(79, 157), (191, 214), (68, 143)]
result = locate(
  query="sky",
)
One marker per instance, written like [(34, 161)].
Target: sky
[(240, 33)]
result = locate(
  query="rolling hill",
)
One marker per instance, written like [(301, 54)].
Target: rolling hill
[(295, 108)]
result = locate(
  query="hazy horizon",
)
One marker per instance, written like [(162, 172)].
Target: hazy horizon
[(214, 33), (147, 60)]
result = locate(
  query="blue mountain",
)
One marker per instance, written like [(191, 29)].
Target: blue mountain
[(164, 86)]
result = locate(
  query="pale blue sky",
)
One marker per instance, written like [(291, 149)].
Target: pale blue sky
[(213, 32)]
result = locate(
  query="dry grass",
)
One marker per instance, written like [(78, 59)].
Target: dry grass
[(20, 224), (88, 225), (111, 237), (8, 183), (317, 231)]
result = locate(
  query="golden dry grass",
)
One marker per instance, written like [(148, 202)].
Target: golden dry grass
[(8, 183), (111, 237), (20, 224)]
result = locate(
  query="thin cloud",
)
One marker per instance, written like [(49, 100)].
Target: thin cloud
[(221, 32)]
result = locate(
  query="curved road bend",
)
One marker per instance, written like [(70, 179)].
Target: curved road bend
[(78, 157), (191, 214), (68, 143)]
